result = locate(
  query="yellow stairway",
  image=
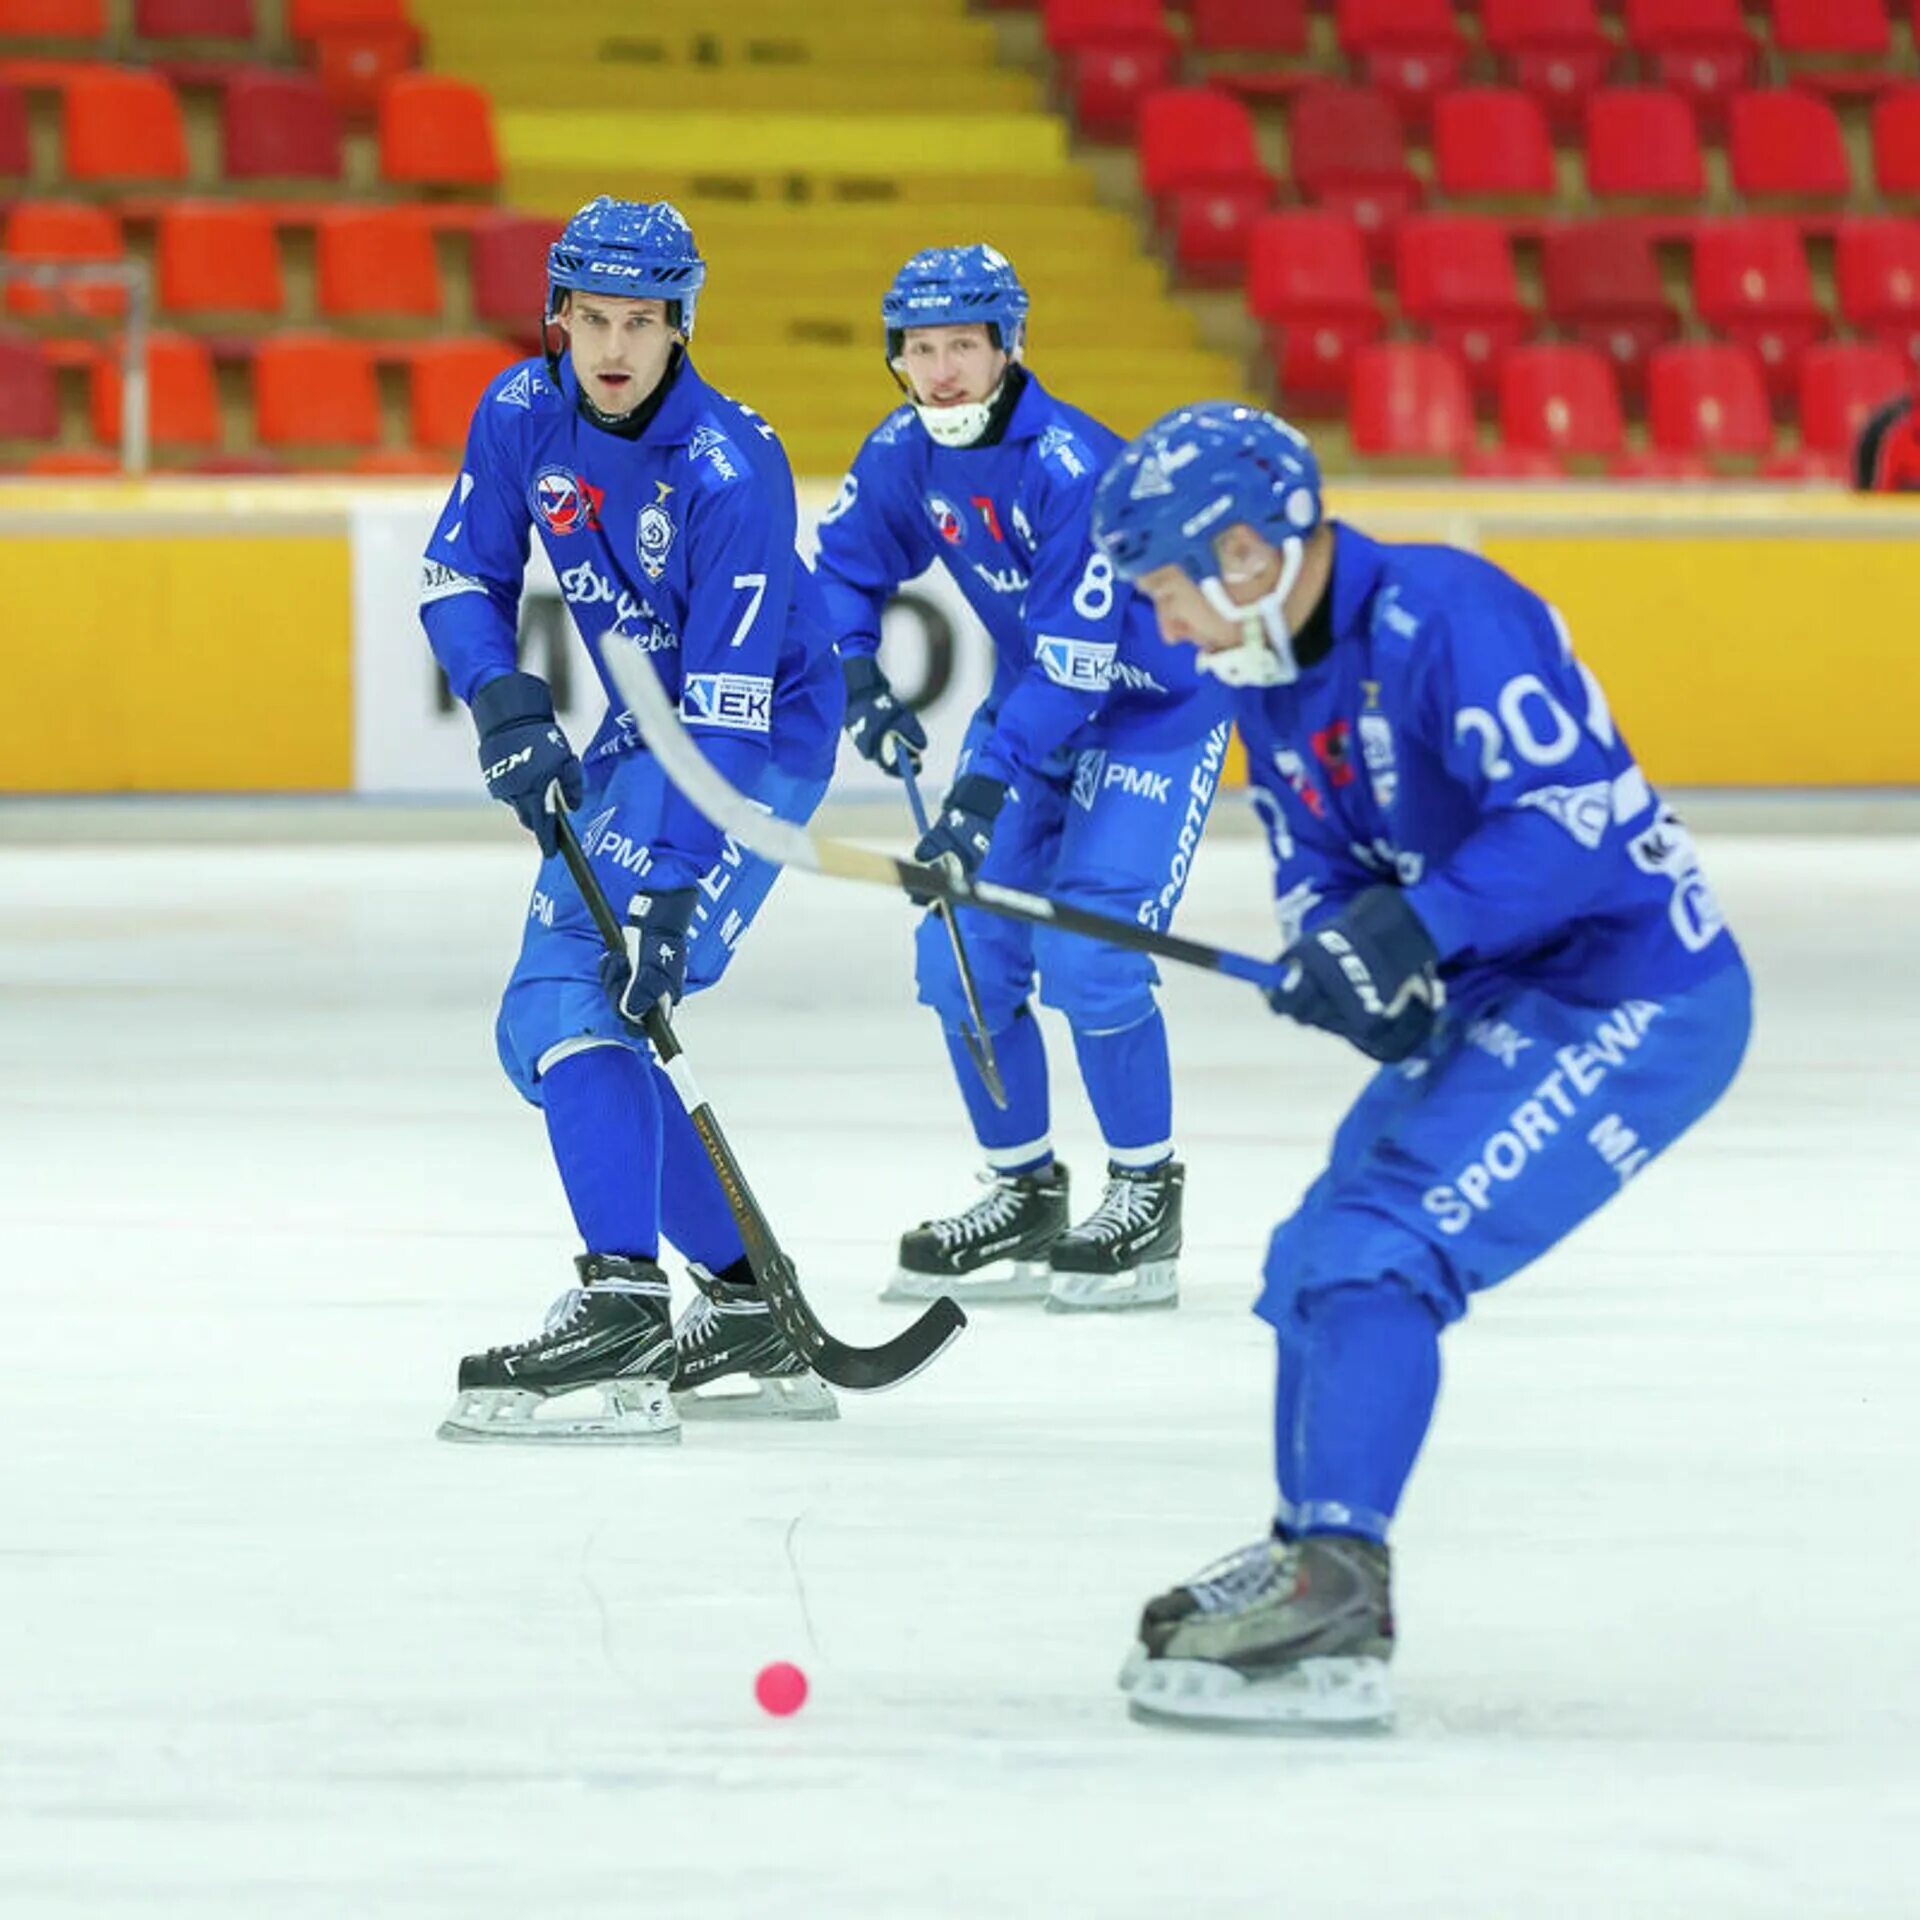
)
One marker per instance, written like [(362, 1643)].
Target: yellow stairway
[(814, 144)]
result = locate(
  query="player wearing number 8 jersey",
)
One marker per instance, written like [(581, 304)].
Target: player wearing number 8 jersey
[(1087, 773), (1478, 888)]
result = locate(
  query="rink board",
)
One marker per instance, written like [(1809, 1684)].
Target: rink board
[(262, 636)]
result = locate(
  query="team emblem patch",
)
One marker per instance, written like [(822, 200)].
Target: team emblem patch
[(564, 502), (653, 537), (947, 522)]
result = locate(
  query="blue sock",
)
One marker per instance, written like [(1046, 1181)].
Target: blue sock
[(603, 1118), (693, 1209), (1016, 1140), (1361, 1410), (1289, 1368), (1129, 1081)]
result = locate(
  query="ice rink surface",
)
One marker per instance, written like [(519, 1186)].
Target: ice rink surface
[(269, 1650)]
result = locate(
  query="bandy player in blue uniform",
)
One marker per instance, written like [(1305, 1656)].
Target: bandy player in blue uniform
[(1479, 888), (668, 511), (1087, 772)]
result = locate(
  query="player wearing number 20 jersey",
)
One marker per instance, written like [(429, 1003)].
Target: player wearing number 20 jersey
[(1087, 773)]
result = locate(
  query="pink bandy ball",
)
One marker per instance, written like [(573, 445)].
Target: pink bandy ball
[(781, 1688)]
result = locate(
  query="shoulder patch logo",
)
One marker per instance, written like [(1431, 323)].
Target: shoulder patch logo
[(653, 535), (1059, 443), (712, 446), (1585, 811), (519, 391)]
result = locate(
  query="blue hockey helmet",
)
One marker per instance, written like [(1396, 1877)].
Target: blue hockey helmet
[(1194, 473), (632, 249), (951, 286)]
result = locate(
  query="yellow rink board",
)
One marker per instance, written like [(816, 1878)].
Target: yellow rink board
[(197, 636)]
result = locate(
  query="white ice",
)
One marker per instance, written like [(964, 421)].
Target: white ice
[(269, 1650)]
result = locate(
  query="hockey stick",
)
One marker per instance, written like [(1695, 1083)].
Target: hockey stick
[(788, 844), (974, 1029), (857, 1369)]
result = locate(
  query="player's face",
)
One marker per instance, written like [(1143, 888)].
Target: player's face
[(951, 366), (619, 348), (1249, 567)]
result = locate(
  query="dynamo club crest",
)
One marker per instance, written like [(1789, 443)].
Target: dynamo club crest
[(653, 538)]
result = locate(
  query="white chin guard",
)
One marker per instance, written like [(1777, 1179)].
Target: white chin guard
[(958, 426), (1264, 657)]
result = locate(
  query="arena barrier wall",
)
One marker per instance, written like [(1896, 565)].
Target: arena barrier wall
[(202, 636)]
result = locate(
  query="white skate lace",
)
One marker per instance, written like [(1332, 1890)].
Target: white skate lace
[(1126, 1205), (985, 1218), (1239, 1579)]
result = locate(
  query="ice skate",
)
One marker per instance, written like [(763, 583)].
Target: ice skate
[(608, 1344), (1126, 1252), (995, 1250), (735, 1364), (1275, 1636)]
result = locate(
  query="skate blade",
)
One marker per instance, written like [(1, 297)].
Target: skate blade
[(632, 1413), (776, 1396), (1154, 1283), (1010, 1282), (1351, 1694)]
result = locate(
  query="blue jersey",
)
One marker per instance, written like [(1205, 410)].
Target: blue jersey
[(1011, 523), (1451, 742), (681, 540)]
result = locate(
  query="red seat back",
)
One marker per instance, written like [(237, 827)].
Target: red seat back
[(1856, 28), (59, 230), (377, 261), (436, 132), (1196, 137), (1492, 141), (121, 124), (29, 404), (1840, 385), (314, 390), (448, 378), (183, 407), (507, 267), (279, 126), (1561, 398), (1896, 141), (1070, 25), (1642, 144), (219, 256), (1248, 26), (1409, 399), (194, 19), (1708, 399), (1787, 144)]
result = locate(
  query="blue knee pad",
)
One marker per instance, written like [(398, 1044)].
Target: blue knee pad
[(1000, 953), (1326, 1243), (537, 1015), (1099, 988)]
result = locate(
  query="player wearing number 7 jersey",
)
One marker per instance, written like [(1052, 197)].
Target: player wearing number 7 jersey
[(1087, 773), (668, 513), (1479, 889)]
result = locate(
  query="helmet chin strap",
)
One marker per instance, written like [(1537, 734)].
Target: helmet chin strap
[(1264, 657), (962, 425)]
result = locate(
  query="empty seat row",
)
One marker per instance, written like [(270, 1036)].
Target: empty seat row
[(222, 258), (1707, 401), (88, 20), (1454, 277), (123, 126), (309, 390)]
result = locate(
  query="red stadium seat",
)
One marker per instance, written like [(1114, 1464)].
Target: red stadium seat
[(1840, 385), (1106, 85), (1348, 155), (1211, 229), (16, 151), (183, 407), (312, 390), (1555, 50), (309, 19), (1602, 285), (1708, 400), (29, 404), (194, 20), (377, 263), (1642, 144), (354, 64), (60, 231), (219, 256), (123, 125), (448, 378), (1896, 142), (74, 20), (1701, 49), (1307, 282), (1196, 137), (1751, 283), (279, 126), (1876, 271), (436, 132), (1248, 26), (1070, 25), (1855, 29), (507, 266), (1787, 145), (1492, 142), (1409, 49), (1561, 398), (1456, 282), (1409, 401)]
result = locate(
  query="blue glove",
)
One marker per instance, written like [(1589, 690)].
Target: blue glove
[(1367, 975), (878, 721), (523, 753), (654, 966), (963, 829)]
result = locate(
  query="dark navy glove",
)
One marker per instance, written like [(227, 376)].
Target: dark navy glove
[(878, 721), (523, 753), (1367, 975), (963, 830), (654, 966)]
